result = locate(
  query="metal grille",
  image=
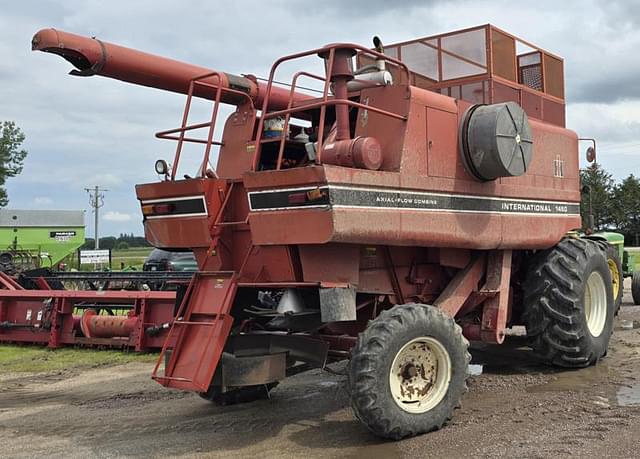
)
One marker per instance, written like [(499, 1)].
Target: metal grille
[(531, 76)]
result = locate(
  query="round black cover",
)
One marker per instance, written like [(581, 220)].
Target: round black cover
[(497, 141)]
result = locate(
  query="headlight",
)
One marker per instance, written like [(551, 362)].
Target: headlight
[(162, 167)]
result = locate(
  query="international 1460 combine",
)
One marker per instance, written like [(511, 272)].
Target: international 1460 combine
[(423, 198)]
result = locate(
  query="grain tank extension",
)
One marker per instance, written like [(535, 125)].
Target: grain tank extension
[(422, 198)]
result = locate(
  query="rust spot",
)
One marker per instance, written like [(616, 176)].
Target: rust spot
[(422, 392)]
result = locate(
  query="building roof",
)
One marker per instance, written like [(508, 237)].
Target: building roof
[(14, 218)]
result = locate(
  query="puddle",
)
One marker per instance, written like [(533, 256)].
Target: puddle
[(582, 379), (629, 395)]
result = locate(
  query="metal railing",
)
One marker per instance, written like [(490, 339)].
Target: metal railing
[(322, 104), (181, 131)]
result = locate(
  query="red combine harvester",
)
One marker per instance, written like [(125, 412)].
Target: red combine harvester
[(423, 198)]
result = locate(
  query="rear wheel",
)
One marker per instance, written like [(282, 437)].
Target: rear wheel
[(617, 275), (408, 371), (569, 304), (635, 287)]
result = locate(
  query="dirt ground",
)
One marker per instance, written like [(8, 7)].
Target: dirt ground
[(514, 408)]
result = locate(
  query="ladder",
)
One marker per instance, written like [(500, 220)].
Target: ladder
[(193, 348)]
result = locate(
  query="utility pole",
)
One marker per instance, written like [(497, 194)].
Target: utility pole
[(96, 200)]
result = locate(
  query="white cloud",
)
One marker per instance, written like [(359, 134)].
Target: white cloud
[(114, 216), (104, 180), (42, 201)]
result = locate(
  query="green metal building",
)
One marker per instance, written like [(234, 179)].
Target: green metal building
[(39, 238)]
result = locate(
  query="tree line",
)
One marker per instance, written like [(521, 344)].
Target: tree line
[(614, 206), (122, 242)]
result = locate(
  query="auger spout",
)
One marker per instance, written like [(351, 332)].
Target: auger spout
[(91, 56)]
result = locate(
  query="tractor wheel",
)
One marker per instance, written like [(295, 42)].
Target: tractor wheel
[(408, 371), (238, 395), (617, 275), (568, 303), (635, 287)]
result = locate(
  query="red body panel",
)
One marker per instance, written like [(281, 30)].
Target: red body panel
[(423, 156)]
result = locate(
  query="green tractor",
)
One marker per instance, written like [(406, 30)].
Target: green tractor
[(621, 264)]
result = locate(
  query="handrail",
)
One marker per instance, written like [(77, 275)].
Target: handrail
[(209, 142), (330, 50), (288, 115)]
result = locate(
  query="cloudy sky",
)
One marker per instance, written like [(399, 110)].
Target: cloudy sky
[(94, 131)]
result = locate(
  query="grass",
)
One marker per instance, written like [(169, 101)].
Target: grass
[(36, 359), (133, 252), (129, 258), (133, 257)]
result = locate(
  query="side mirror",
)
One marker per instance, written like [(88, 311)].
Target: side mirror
[(591, 151)]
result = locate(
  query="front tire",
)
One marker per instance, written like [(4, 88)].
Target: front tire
[(408, 371), (568, 303)]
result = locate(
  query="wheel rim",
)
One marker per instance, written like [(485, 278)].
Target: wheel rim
[(420, 375), (595, 303), (615, 277)]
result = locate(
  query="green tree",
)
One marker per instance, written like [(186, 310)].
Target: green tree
[(12, 156), (108, 242), (122, 245), (626, 207), (89, 244), (597, 189)]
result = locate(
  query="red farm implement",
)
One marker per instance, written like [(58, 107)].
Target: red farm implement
[(137, 320), (423, 196)]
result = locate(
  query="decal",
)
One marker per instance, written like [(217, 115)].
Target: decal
[(183, 206), (335, 196), (62, 236)]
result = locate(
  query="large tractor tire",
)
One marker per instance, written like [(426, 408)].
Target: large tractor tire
[(568, 303), (635, 287), (408, 371)]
